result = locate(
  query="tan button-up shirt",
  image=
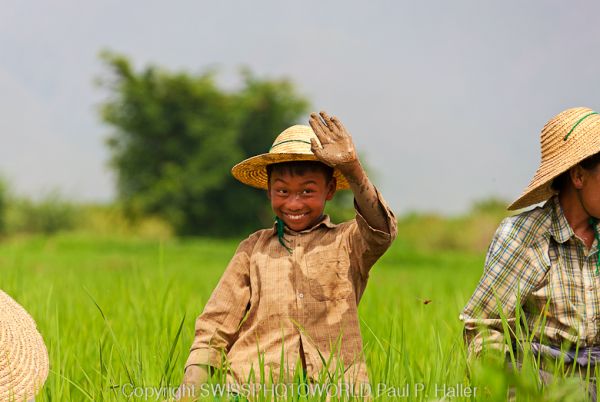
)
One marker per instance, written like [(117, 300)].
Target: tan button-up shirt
[(272, 303)]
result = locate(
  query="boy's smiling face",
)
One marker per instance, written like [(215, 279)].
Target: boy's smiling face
[(299, 199)]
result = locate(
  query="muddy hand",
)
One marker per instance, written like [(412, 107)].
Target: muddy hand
[(337, 148)]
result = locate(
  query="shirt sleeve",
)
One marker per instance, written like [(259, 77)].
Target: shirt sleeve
[(217, 326), (511, 272), (366, 243)]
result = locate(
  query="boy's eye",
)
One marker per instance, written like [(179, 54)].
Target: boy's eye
[(307, 191)]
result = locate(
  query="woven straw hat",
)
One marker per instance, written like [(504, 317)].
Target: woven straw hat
[(293, 144), (568, 138), (23, 355)]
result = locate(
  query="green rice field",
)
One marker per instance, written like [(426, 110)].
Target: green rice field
[(117, 315)]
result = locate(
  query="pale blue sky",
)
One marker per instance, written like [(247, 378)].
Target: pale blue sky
[(445, 98)]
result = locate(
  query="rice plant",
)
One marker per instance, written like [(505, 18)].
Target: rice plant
[(117, 315)]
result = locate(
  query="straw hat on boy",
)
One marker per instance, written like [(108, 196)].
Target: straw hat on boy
[(291, 145), (23, 355), (567, 139)]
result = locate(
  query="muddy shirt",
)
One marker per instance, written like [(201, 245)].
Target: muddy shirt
[(270, 304)]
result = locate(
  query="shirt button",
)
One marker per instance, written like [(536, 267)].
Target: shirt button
[(300, 295), (590, 288)]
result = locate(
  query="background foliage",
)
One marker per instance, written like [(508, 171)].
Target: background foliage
[(177, 135)]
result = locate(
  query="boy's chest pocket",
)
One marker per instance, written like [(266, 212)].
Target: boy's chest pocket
[(328, 276)]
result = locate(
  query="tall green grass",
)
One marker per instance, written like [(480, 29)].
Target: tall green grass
[(118, 313)]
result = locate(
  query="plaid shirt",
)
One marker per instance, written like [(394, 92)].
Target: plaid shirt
[(270, 304), (537, 255)]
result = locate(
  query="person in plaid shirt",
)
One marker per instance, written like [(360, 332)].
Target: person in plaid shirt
[(545, 260), (289, 296)]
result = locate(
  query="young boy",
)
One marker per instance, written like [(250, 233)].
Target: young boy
[(290, 293)]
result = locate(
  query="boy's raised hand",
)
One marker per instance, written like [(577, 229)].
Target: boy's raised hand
[(337, 149)]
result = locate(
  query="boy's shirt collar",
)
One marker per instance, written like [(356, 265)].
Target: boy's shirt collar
[(325, 221)]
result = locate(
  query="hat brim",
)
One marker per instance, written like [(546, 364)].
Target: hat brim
[(535, 193), (540, 189), (558, 156), (23, 355), (253, 171)]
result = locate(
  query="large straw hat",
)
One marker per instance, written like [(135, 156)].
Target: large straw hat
[(23, 356), (293, 144), (568, 138)]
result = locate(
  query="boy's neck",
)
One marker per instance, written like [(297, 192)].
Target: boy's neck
[(310, 226)]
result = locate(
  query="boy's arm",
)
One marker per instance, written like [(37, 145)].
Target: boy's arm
[(217, 326), (337, 150), (195, 375)]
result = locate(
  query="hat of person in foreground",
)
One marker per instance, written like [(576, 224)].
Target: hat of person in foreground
[(567, 139), (23, 355), (291, 145)]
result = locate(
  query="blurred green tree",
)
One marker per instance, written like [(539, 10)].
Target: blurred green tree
[(178, 135), (3, 204), (49, 215)]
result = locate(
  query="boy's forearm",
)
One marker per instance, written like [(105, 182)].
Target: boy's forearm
[(336, 149), (195, 375), (365, 195)]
